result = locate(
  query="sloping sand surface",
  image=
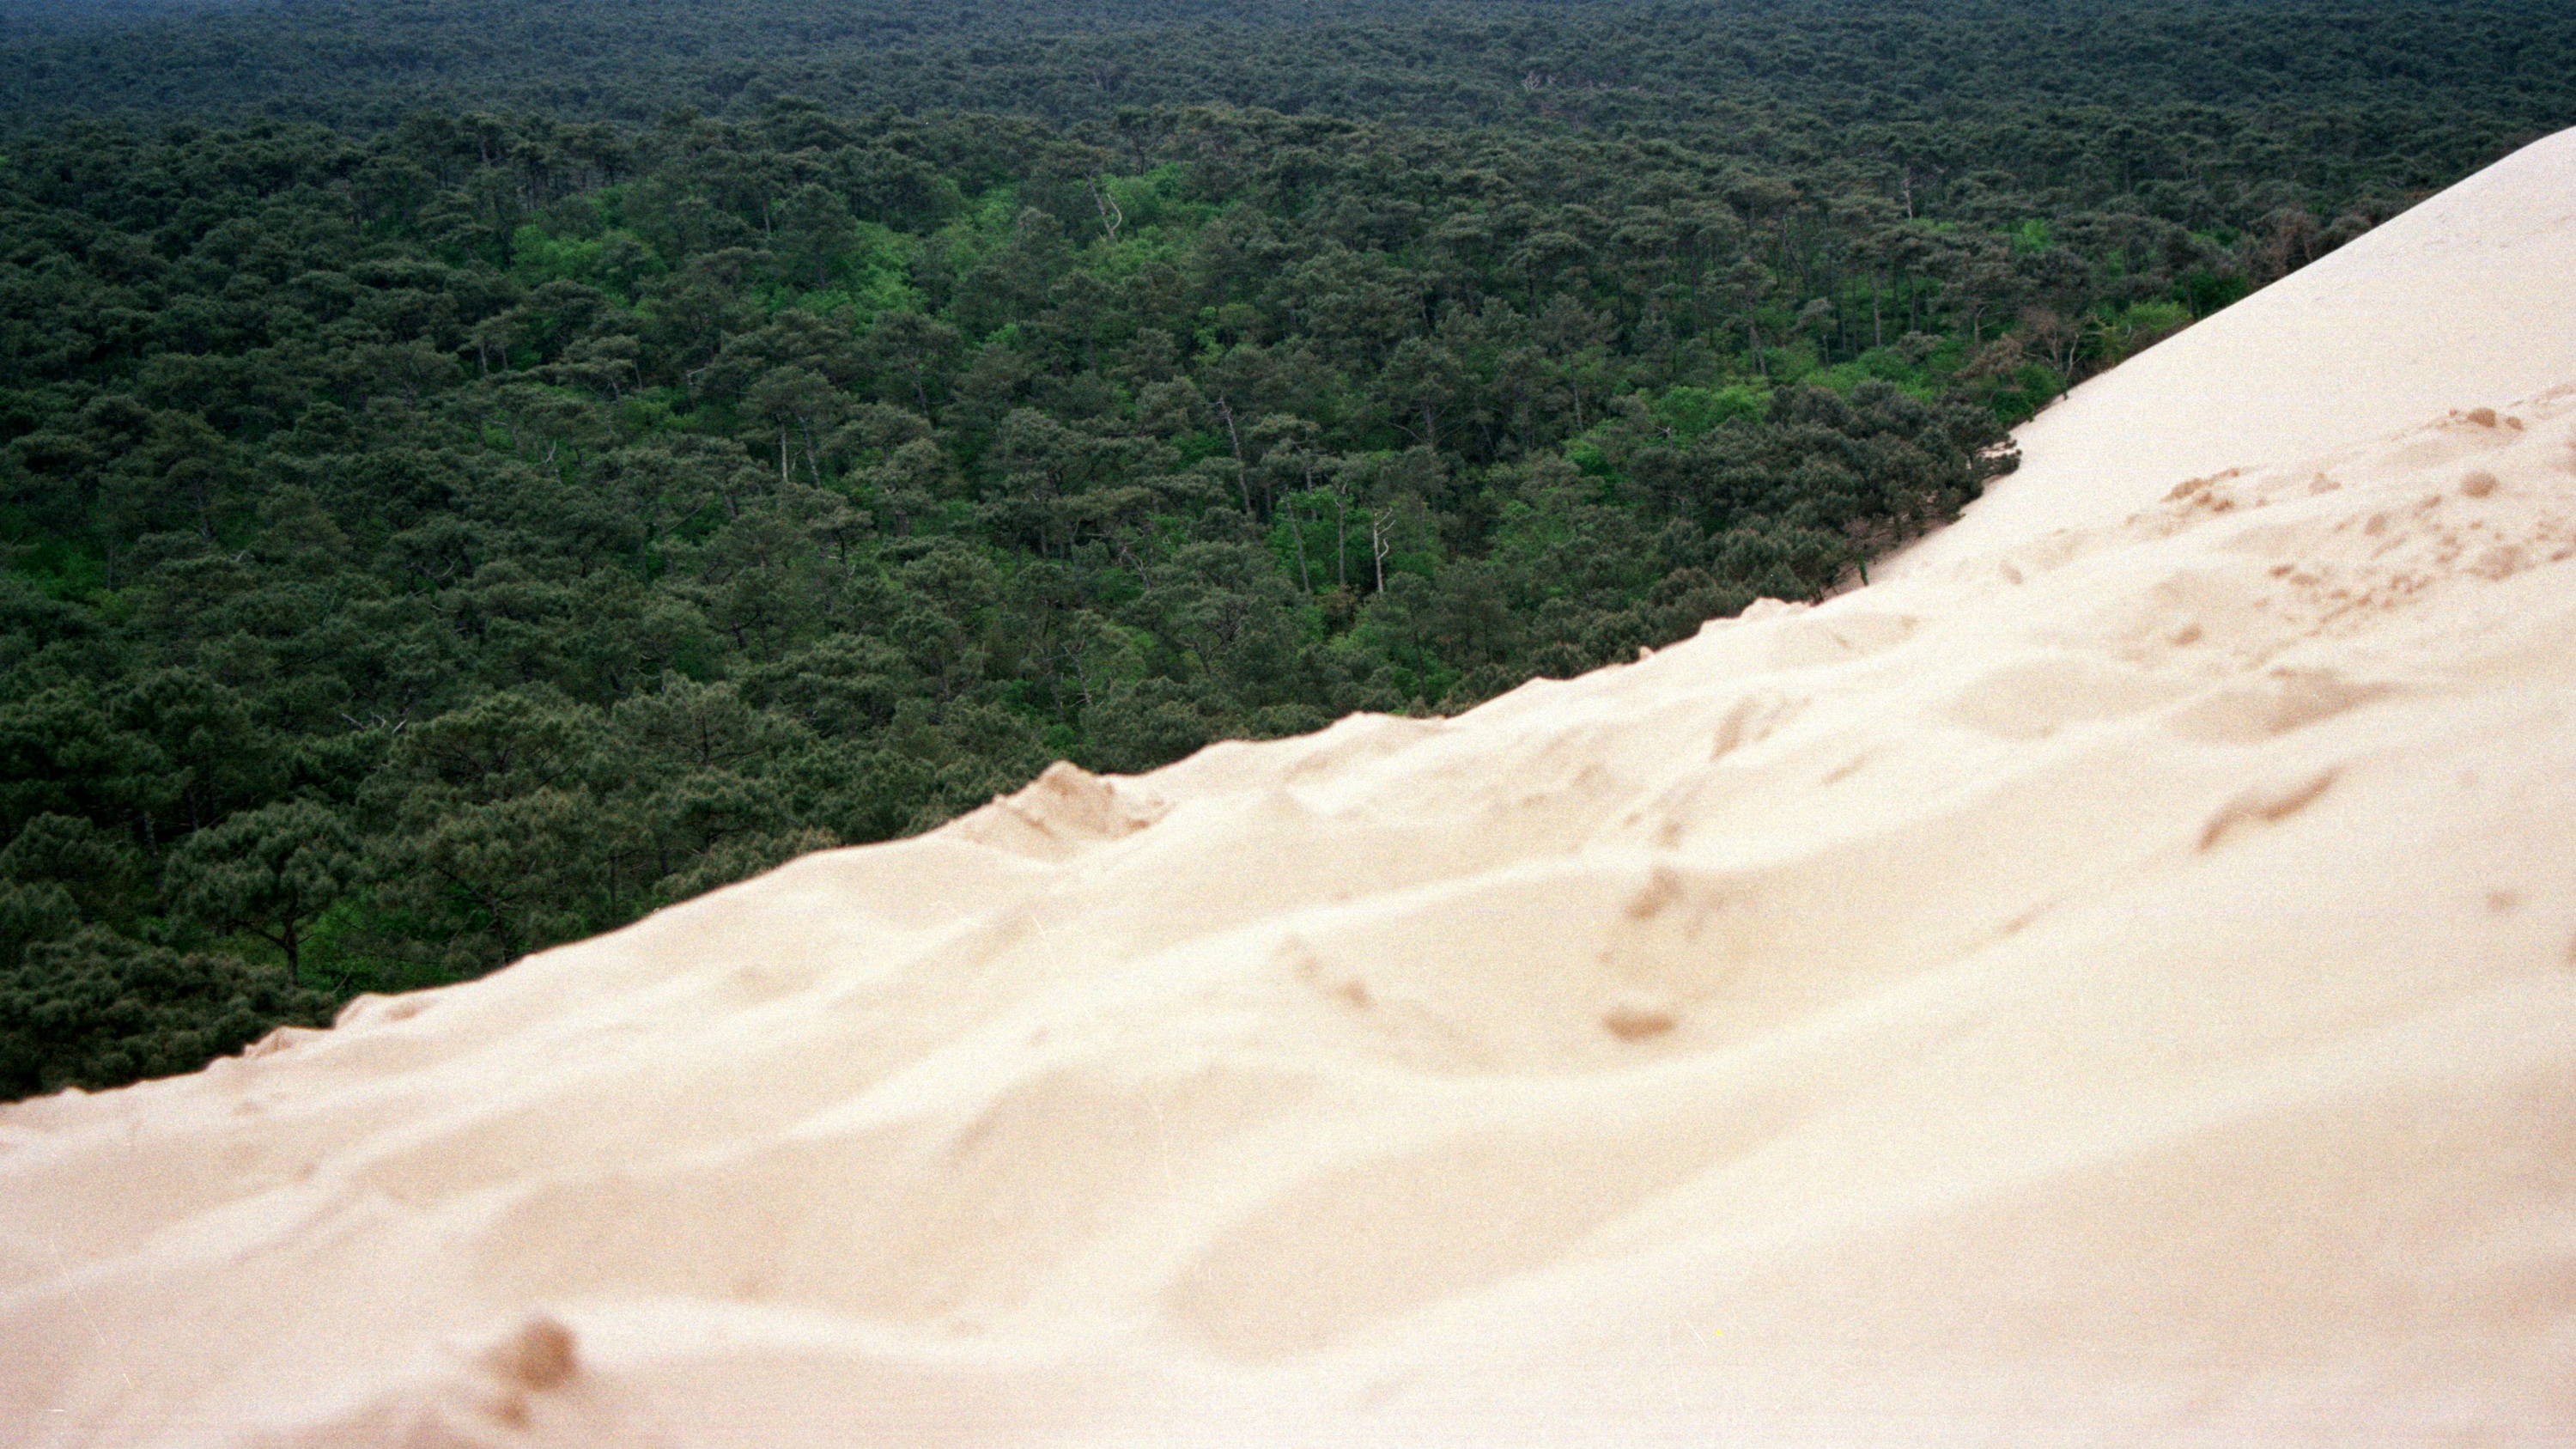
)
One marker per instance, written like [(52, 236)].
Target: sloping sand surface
[(2111, 983)]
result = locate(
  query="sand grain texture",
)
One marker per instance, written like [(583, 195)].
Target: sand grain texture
[(2113, 982)]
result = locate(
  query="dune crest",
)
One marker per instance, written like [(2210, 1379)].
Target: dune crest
[(2113, 981)]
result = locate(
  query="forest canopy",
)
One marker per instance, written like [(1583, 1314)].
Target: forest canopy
[(473, 474)]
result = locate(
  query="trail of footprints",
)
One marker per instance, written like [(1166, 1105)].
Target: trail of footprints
[(2427, 512)]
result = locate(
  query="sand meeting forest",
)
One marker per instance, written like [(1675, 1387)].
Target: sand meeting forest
[(1345, 725)]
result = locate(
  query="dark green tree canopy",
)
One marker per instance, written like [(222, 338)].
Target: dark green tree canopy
[(468, 482)]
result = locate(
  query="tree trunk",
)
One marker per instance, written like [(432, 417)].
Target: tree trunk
[(1341, 541), (1297, 531), (1242, 483)]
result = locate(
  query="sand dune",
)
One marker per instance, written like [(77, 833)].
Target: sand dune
[(2112, 982)]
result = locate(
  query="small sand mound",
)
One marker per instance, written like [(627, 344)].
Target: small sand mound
[(536, 1355)]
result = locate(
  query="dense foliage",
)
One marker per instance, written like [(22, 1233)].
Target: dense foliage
[(430, 543), (2334, 92)]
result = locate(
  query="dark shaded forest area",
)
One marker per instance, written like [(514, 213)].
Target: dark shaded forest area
[(472, 474)]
